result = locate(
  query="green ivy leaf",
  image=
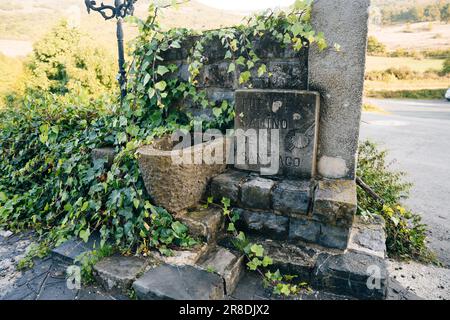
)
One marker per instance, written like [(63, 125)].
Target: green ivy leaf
[(258, 250), (217, 112), (231, 227), (267, 261), (147, 78), (262, 70), (162, 70), (85, 234), (244, 77), (231, 68), (161, 86)]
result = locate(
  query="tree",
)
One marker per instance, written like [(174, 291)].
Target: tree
[(66, 60), (375, 47)]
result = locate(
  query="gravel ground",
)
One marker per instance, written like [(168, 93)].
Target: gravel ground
[(428, 282)]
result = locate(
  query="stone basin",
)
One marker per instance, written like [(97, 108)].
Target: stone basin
[(178, 179)]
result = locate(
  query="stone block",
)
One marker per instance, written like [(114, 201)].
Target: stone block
[(288, 75), (203, 223), (167, 282), (368, 236), (304, 229), (265, 223), (333, 236), (68, 251), (228, 185), (184, 257), (256, 193), (339, 77), (118, 272), (294, 114), (107, 154), (292, 197), (217, 75), (335, 202), (358, 275), (227, 264)]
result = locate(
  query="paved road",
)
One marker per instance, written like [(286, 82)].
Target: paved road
[(417, 133)]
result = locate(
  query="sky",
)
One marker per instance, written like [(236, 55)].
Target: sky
[(246, 5)]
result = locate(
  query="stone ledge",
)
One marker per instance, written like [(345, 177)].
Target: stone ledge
[(227, 264), (184, 257), (335, 202), (256, 193), (167, 282), (350, 274), (72, 248), (228, 185), (368, 236), (203, 223), (119, 272), (264, 223)]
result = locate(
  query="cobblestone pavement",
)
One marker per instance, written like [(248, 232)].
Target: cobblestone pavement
[(45, 281)]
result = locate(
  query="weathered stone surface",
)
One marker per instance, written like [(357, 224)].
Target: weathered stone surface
[(228, 185), (184, 257), (5, 233), (255, 193), (292, 259), (227, 264), (294, 114), (203, 223), (119, 272), (396, 291), (368, 236), (304, 230), (184, 184), (167, 282), (335, 202), (292, 197), (264, 223), (339, 77), (288, 75), (107, 154), (359, 275), (71, 249), (334, 236)]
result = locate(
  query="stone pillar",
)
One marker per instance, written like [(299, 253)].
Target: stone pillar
[(339, 77)]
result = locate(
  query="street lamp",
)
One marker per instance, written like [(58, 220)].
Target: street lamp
[(119, 10)]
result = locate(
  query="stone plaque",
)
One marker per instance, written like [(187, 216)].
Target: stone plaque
[(286, 125)]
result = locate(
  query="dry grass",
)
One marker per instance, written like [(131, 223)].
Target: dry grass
[(383, 63), (419, 38)]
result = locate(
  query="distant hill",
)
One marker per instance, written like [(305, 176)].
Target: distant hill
[(30, 19)]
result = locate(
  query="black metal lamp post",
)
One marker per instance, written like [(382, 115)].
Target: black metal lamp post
[(119, 10)]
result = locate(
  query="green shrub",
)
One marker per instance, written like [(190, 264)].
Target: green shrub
[(426, 94), (406, 234), (375, 47), (446, 67), (66, 60)]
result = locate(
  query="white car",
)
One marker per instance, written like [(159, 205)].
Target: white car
[(447, 95)]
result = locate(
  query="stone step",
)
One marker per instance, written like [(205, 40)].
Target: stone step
[(318, 212), (182, 257), (356, 274), (168, 282), (250, 191), (228, 264), (119, 272), (203, 223), (68, 251)]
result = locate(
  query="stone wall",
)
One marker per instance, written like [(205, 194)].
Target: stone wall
[(338, 75), (289, 68)]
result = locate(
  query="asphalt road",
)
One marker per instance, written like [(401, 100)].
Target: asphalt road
[(417, 134)]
